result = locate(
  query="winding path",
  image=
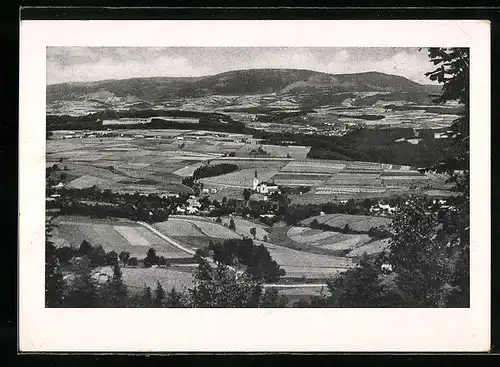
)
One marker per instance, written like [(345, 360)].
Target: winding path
[(168, 239)]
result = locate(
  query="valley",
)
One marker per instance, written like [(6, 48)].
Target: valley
[(300, 141)]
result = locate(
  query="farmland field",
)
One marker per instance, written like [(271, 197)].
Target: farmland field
[(356, 222), (311, 166), (297, 152), (370, 248), (159, 159), (254, 163), (194, 233), (243, 228), (299, 263), (326, 239), (137, 278), (118, 235), (241, 179)]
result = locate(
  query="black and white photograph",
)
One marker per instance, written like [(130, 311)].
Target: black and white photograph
[(257, 177)]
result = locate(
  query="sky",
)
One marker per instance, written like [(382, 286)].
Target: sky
[(84, 64)]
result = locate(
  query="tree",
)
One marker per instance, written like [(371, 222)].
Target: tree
[(159, 295), (272, 299), (147, 297), (151, 258), (162, 261), (124, 257), (363, 286), (453, 72), (133, 261), (205, 202), (85, 249), (98, 257), (246, 194), (112, 258), (65, 254), (367, 204), (253, 231), (422, 255), (54, 281), (222, 286), (175, 299), (82, 288), (256, 261), (232, 225), (115, 292)]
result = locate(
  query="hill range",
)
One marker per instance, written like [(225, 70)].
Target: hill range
[(305, 85)]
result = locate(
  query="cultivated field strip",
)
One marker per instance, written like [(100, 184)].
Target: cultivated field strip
[(370, 248), (194, 228), (324, 190), (356, 222), (326, 239), (118, 236), (242, 179)]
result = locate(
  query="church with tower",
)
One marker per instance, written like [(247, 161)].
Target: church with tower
[(263, 187)]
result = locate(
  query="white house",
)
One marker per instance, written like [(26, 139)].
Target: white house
[(193, 203), (192, 210)]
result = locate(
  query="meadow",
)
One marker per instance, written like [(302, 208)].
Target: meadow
[(136, 279), (361, 223), (112, 234), (194, 233), (326, 239)]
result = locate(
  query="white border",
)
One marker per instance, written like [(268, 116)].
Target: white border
[(250, 330)]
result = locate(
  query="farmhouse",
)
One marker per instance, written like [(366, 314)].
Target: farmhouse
[(60, 185), (440, 135), (193, 203)]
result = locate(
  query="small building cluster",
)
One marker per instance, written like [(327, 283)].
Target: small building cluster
[(264, 188), (192, 206)]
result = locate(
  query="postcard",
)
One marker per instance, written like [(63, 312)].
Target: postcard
[(254, 186)]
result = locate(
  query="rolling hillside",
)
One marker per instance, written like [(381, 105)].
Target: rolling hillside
[(301, 83)]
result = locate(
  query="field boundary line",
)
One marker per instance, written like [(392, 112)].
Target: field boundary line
[(168, 239)]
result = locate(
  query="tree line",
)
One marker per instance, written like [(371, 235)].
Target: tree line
[(149, 208)]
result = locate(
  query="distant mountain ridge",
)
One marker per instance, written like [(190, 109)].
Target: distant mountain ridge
[(297, 82)]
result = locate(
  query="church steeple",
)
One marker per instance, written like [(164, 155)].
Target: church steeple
[(255, 181)]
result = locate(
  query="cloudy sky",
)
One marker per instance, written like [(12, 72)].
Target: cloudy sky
[(82, 64)]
